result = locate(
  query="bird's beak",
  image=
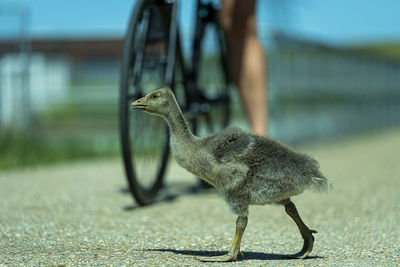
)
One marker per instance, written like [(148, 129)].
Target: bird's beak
[(141, 103)]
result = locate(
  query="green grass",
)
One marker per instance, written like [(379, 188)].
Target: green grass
[(19, 150), (387, 50)]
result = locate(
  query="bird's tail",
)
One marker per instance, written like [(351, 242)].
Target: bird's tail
[(321, 184)]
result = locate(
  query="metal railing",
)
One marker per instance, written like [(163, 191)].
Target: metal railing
[(318, 91)]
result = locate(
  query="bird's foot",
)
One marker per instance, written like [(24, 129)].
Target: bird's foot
[(307, 245), (223, 258)]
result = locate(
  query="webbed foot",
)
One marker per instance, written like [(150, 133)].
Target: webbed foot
[(223, 258), (305, 232), (234, 251), (307, 246)]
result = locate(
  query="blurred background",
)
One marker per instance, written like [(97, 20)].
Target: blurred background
[(333, 71)]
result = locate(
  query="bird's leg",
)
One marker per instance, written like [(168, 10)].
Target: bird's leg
[(306, 233), (241, 223)]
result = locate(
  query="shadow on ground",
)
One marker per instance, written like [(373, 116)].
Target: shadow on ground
[(172, 193), (248, 255)]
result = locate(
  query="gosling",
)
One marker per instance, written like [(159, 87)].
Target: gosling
[(246, 169)]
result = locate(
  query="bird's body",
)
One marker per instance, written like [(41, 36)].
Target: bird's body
[(254, 168), (245, 168)]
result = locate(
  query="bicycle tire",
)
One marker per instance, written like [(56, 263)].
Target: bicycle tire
[(144, 138), (211, 74), (212, 78)]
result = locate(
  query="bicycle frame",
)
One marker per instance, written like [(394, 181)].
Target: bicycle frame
[(206, 14)]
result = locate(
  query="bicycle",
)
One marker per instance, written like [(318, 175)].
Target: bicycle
[(152, 58)]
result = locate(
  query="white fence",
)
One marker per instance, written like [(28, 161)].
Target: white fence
[(31, 84), (14, 74)]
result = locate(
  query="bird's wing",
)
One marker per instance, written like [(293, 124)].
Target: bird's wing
[(229, 144)]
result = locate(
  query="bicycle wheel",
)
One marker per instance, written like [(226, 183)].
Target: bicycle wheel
[(144, 138), (210, 65)]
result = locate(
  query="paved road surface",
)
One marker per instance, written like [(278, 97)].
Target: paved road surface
[(78, 214)]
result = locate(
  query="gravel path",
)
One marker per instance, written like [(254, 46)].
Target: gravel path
[(78, 214)]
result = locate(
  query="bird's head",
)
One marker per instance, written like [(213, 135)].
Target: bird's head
[(156, 102)]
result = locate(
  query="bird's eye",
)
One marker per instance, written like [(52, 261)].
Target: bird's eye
[(154, 96)]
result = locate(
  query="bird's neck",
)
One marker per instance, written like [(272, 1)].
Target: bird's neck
[(177, 123)]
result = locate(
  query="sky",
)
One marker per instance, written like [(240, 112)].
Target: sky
[(339, 22)]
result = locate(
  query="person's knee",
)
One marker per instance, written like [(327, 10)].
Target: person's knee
[(238, 17)]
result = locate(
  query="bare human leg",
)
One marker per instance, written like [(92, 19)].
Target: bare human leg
[(247, 60)]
